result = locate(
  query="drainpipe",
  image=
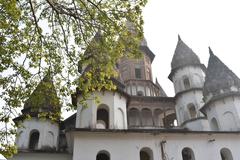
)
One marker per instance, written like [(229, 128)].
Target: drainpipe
[(162, 150)]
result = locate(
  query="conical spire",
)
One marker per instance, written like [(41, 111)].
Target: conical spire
[(44, 97), (183, 55), (219, 78)]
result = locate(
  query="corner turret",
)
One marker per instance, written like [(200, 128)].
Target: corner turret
[(187, 76), (39, 133), (222, 96)]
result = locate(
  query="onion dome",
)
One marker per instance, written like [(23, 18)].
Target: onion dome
[(220, 80)]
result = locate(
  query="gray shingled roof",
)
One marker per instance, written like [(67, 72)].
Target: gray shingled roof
[(218, 77), (183, 56)]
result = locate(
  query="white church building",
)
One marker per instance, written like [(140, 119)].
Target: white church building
[(139, 121)]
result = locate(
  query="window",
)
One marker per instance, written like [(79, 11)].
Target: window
[(147, 118), (214, 125), (134, 117), (102, 117), (226, 154), (186, 82), (192, 110), (103, 155), (187, 154), (158, 117), (34, 138), (146, 154), (140, 93), (138, 72)]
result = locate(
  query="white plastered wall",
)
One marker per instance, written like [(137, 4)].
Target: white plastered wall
[(128, 145), (86, 117), (195, 75), (227, 113), (44, 127), (182, 101)]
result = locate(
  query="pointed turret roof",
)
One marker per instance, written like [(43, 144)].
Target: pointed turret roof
[(44, 97), (183, 56), (219, 78)]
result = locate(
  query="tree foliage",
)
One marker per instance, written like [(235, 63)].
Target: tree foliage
[(61, 36)]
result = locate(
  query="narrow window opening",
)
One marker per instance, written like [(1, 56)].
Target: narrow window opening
[(138, 73), (186, 83), (192, 111)]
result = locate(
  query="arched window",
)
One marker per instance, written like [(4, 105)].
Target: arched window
[(226, 154), (192, 110), (169, 120), (230, 122), (103, 155), (34, 138), (158, 117), (139, 93), (186, 82), (146, 154), (120, 119), (138, 72), (187, 154), (214, 124), (147, 119), (50, 139), (134, 117), (102, 117)]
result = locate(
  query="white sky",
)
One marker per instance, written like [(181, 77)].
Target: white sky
[(200, 23)]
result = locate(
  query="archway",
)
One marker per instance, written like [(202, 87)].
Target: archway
[(34, 139), (147, 119), (103, 155), (226, 154), (134, 117), (158, 117), (103, 117), (214, 124), (146, 154), (187, 154)]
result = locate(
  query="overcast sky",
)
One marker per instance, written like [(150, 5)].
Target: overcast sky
[(200, 23)]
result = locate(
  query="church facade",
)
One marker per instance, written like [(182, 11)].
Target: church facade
[(139, 121)]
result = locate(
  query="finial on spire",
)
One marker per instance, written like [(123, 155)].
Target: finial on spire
[(210, 51), (179, 38)]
